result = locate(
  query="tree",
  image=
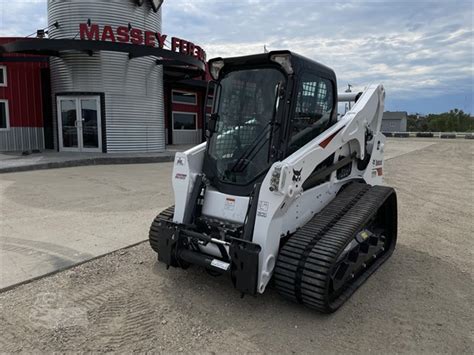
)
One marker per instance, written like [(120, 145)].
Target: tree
[(453, 121), (412, 123)]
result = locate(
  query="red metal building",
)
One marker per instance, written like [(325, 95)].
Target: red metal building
[(26, 117)]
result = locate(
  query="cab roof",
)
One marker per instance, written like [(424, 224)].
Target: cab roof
[(298, 62)]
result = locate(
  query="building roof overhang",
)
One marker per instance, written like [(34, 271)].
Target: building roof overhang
[(176, 66)]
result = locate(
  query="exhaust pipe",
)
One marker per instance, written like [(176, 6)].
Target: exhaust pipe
[(348, 96)]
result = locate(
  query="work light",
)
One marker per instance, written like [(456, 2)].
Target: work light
[(284, 60), (215, 67)]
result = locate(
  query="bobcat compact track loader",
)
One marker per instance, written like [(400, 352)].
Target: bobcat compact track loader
[(283, 188)]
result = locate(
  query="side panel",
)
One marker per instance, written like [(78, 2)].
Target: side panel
[(373, 175), (187, 165), (306, 205)]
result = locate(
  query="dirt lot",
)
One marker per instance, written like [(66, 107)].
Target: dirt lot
[(421, 300)]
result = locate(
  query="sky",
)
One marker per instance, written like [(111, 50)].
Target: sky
[(420, 50)]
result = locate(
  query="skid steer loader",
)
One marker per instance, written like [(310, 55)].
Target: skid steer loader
[(283, 189)]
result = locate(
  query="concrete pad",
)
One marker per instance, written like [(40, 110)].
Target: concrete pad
[(50, 159), (56, 218), (395, 147)]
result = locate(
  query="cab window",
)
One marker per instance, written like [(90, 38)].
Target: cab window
[(313, 111)]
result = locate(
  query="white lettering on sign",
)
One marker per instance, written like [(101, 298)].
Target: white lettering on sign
[(124, 34)]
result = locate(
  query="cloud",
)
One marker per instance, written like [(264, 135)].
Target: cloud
[(22, 17), (417, 49)]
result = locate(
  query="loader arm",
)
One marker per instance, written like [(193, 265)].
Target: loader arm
[(287, 191)]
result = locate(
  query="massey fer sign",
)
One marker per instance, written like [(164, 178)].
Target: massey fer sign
[(126, 34)]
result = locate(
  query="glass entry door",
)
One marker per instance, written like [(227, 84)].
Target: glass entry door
[(79, 123)]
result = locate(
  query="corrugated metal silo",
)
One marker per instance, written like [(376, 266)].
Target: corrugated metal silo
[(132, 89)]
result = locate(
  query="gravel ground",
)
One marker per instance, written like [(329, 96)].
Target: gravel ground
[(420, 301)]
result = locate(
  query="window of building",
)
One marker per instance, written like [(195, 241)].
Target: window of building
[(184, 121), (3, 75), (4, 115), (182, 97), (210, 98), (313, 113)]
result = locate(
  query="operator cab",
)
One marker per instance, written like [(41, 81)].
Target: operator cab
[(265, 108)]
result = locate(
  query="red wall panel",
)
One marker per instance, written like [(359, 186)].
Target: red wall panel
[(23, 90)]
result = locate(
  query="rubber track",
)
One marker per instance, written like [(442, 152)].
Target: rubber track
[(164, 216), (304, 265)]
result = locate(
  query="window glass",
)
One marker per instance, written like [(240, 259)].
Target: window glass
[(69, 123), (184, 97), (246, 103), (209, 100), (184, 121), (2, 75), (90, 135), (3, 115), (314, 103)]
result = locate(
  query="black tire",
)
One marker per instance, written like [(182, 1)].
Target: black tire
[(154, 234)]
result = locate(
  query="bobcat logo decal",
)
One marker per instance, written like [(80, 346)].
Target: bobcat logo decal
[(297, 175)]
